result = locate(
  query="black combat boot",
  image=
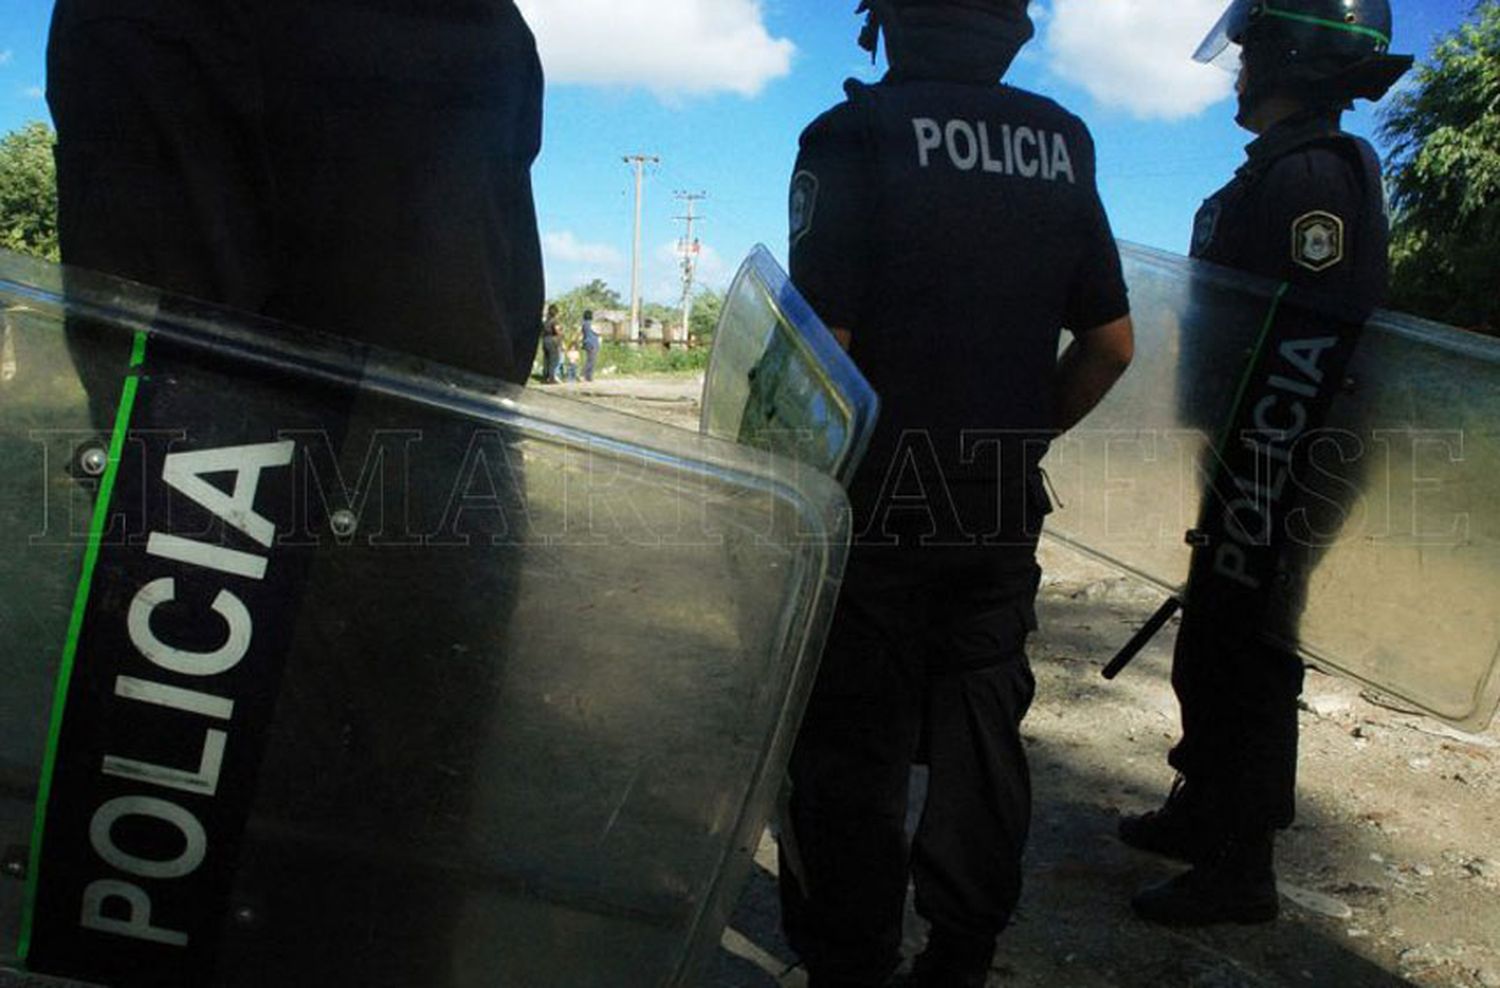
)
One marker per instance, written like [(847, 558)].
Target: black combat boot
[(938, 976), (1236, 884), (952, 961), (1184, 828)]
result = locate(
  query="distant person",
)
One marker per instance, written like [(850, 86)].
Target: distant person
[(590, 340), (1306, 209), (552, 344), (900, 238)]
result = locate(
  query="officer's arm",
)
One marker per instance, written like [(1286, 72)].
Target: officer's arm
[(1097, 357), (829, 219), (1090, 367), (1309, 220)]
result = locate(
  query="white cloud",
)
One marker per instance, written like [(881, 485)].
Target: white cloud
[(563, 247), (570, 262), (6, 56), (1137, 54), (674, 48), (33, 92)]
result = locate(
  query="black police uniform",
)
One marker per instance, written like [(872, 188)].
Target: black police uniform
[(359, 167), (955, 229), (356, 166), (1306, 208)]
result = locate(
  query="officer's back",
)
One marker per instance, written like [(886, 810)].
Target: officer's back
[(948, 229), (956, 226)]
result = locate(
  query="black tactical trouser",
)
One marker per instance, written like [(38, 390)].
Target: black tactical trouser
[(1238, 690), (935, 673), (1238, 695)]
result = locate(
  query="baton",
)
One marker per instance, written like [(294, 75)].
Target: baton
[(1142, 638)]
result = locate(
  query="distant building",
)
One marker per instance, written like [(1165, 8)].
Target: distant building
[(612, 324)]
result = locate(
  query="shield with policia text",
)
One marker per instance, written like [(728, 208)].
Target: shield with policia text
[(1328, 479), (321, 665)]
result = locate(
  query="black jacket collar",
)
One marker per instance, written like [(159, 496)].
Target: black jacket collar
[(1289, 135)]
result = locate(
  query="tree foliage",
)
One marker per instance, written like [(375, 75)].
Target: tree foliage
[(707, 305), (28, 191), (600, 297), (1445, 179), (596, 296), (703, 320), (662, 315)]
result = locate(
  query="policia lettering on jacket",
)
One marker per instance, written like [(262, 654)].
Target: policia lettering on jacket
[(1019, 151)]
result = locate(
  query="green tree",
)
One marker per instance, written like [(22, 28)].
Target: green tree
[(701, 323), (28, 191), (707, 305), (596, 296), (664, 315), (1444, 131)]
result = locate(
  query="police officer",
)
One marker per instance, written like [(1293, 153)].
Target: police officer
[(362, 168), (937, 211), (1305, 209)]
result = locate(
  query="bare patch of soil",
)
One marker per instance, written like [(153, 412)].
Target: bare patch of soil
[(1391, 875)]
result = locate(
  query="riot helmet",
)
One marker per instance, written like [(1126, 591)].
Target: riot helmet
[(956, 40), (1323, 52)]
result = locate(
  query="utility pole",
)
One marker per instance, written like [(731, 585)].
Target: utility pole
[(689, 250), (639, 160)]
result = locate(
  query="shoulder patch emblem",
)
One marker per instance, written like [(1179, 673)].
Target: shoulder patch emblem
[(803, 204), (1317, 240)]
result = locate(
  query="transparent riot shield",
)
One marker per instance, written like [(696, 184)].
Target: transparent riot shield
[(319, 665), (1395, 576), (778, 380)]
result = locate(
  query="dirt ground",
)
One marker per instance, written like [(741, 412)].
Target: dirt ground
[(1391, 875), (672, 399)]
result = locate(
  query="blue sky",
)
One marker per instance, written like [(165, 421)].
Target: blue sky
[(720, 89)]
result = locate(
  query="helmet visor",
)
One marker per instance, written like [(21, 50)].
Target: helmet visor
[(1215, 49)]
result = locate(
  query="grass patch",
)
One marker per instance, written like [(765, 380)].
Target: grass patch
[(636, 361)]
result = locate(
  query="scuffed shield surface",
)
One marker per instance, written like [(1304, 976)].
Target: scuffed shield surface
[(526, 671)]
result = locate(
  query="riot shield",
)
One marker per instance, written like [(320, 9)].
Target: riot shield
[(321, 665), (778, 380), (1394, 577)]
